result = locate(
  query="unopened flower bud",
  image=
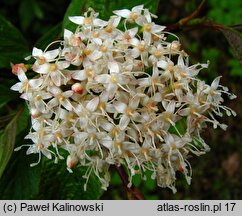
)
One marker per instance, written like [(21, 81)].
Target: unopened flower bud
[(77, 88), (17, 67), (71, 161), (35, 113)]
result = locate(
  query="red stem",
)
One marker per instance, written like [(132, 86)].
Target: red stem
[(133, 192)]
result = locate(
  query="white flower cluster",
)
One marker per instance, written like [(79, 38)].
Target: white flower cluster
[(118, 92)]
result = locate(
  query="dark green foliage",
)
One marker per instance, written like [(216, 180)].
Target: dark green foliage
[(57, 183), (20, 181), (13, 46), (52, 35)]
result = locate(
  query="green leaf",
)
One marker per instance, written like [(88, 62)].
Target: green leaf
[(58, 183), (7, 141), (235, 68), (20, 181), (15, 127), (235, 41), (103, 7), (76, 7), (49, 37), (6, 95), (23, 121), (13, 46)]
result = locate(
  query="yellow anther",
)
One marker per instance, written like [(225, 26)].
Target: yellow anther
[(88, 20), (108, 29), (86, 51), (147, 27), (141, 47), (53, 67), (134, 15), (157, 54), (104, 49)]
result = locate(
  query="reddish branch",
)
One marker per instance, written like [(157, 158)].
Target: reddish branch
[(182, 22), (133, 192)]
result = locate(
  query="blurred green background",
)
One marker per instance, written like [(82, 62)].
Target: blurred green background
[(28, 23)]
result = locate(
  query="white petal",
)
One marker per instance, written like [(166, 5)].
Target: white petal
[(133, 31), (184, 112), (104, 96), (215, 83), (134, 41), (79, 75), (37, 52), (22, 76), (134, 103), (63, 64), (77, 19), (113, 66), (135, 53), (110, 108), (55, 77), (55, 90), (46, 95), (138, 8), (122, 79), (40, 106), (162, 64), (147, 15), (52, 54), (35, 83), (145, 81), (106, 126), (147, 37), (141, 20), (92, 104), (103, 78), (99, 22), (137, 117), (157, 28), (116, 21), (52, 103), (67, 104), (17, 86), (171, 107), (106, 141), (133, 133), (120, 107), (67, 94), (67, 33), (111, 89), (169, 139), (26, 96), (147, 142), (42, 69), (31, 150), (95, 55), (36, 124), (180, 61), (98, 41), (123, 13), (46, 153), (63, 113), (80, 136), (124, 121)]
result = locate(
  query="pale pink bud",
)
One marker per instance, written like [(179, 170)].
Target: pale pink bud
[(71, 161), (77, 88), (17, 67)]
